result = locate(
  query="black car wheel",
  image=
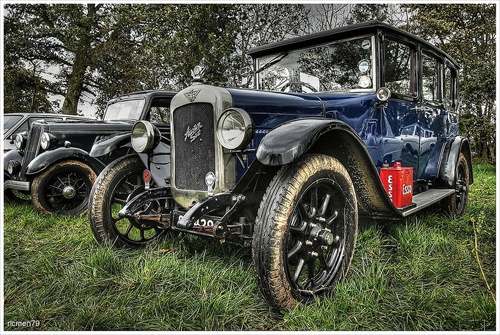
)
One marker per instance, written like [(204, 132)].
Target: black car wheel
[(119, 182), (305, 231), (63, 188), (456, 204), (16, 197)]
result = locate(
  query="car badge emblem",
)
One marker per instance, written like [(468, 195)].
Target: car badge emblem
[(192, 133), (191, 95)]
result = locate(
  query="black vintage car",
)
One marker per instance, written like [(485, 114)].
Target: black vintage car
[(56, 163), (287, 169), (15, 123)]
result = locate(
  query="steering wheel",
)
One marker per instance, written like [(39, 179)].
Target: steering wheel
[(302, 84)]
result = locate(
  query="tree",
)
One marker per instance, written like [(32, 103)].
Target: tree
[(259, 24), (58, 37), (328, 16), (24, 91)]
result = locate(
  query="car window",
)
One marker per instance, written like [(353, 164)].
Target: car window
[(160, 115), (398, 67), (9, 121), (160, 110), (450, 77), (431, 89)]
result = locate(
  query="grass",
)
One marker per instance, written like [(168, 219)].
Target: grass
[(418, 274)]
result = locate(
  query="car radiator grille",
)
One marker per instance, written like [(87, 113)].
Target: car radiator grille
[(32, 147), (194, 145)]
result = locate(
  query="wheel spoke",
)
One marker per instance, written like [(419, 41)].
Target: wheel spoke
[(324, 206), (298, 270), (142, 234), (306, 211), (129, 228), (295, 249), (332, 218)]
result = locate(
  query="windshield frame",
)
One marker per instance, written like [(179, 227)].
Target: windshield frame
[(261, 63)]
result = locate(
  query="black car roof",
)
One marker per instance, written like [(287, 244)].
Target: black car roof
[(341, 33), (145, 93)]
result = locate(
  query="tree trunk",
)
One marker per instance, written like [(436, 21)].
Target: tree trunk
[(80, 65)]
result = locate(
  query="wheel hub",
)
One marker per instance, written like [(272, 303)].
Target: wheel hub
[(325, 237), (69, 192)]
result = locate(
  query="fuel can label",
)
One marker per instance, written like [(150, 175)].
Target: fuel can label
[(398, 183)]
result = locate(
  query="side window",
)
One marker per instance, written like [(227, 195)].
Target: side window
[(431, 89), (450, 82), (160, 114), (398, 67), (160, 110)]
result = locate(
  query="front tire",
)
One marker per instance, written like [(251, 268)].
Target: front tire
[(305, 231), (118, 182), (63, 188)]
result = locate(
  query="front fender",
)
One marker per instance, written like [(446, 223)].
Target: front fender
[(335, 138), (12, 155), (289, 141), (107, 145), (158, 163), (46, 159)]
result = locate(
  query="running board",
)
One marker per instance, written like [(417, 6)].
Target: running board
[(426, 199)]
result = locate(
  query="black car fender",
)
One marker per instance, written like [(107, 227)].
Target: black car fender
[(12, 155), (286, 143), (454, 147), (106, 145), (46, 159), (158, 163)]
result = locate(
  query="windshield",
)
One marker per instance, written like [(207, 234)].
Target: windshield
[(338, 66), (9, 121), (124, 110)]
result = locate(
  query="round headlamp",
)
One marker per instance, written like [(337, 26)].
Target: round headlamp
[(145, 136), (47, 140), (13, 167), (20, 142), (234, 128), (383, 94)]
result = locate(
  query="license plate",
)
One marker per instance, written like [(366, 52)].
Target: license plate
[(204, 221)]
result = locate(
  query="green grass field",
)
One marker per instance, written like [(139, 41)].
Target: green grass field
[(425, 273)]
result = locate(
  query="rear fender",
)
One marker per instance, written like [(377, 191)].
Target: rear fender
[(451, 154), (291, 140), (47, 158)]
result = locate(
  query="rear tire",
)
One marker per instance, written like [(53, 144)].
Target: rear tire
[(456, 204), (118, 182), (305, 231)]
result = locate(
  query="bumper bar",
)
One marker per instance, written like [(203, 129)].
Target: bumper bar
[(17, 185)]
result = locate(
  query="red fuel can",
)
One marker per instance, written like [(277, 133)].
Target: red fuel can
[(398, 183)]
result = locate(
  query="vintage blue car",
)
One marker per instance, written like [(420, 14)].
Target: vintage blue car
[(288, 168)]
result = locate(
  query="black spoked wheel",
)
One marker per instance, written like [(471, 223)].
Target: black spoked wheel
[(63, 188), (305, 232), (16, 197), (456, 204), (118, 183)]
